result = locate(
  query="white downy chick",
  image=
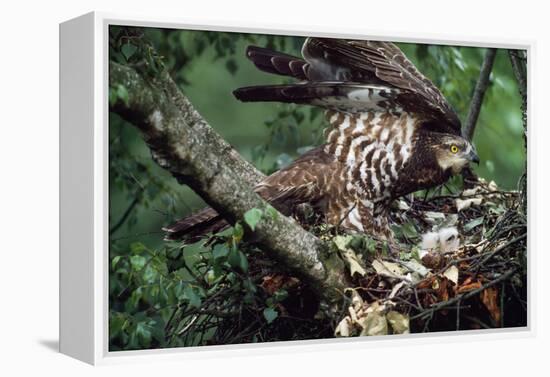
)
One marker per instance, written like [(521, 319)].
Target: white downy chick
[(430, 242), (448, 239), (443, 241)]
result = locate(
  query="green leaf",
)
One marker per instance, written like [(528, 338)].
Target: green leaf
[(122, 93), (137, 248), (271, 212), (150, 275), (144, 333), (137, 262), (128, 50), (415, 253), (249, 285), (210, 277), (115, 261), (191, 294), (112, 96), (116, 323), (356, 243), (409, 230), (270, 314), (238, 232), (280, 295), (252, 216), (237, 259), (474, 223), (135, 297), (220, 251), (370, 245)]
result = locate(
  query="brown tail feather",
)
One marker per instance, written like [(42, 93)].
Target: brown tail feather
[(193, 227), (277, 62)]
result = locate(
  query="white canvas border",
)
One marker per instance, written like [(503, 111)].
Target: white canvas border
[(100, 172)]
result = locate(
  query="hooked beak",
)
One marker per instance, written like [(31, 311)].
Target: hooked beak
[(473, 157)]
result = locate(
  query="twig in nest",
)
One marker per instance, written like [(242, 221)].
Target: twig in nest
[(444, 304), (497, 250)]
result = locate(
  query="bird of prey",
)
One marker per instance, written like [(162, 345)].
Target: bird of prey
[(391, 132)]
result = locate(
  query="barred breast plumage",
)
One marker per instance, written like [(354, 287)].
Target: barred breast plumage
[(373, 147)]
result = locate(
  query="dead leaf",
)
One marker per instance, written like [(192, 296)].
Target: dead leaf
[(450, 220), (342, 242), (343, 328), (352, 314), (402, 205), (374, 324), (398, 322), (489, 297), (434, 217), (396, 289), (389, 269), (272, 283), (426, 283), (469, 287), (451, 273), (471, 192), (356, 300), (467, 203), (354, 263), (442, 289), (468, 280), (416, 267)]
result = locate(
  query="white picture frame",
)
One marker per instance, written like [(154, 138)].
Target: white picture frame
[(84, 192)]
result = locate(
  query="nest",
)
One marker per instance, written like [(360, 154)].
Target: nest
[(461, 265)]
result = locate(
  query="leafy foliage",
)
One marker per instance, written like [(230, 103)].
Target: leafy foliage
[(184, 295)]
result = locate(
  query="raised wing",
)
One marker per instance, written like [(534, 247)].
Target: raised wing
[(352, 76), (368, 61)]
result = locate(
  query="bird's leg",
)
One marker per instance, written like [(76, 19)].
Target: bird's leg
[(381, 227), (365, 210), (376, 224), (393, 247)]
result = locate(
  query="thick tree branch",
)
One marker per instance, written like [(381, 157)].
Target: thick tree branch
[(518, 58), (183, 143), (479, 92)]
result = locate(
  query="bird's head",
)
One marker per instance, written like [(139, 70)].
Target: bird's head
[(454, 152)]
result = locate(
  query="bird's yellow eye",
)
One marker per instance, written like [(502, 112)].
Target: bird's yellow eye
[(454, 148)]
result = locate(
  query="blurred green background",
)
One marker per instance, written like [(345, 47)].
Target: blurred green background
[(208, 66)]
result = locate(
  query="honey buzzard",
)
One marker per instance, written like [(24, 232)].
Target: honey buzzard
[(391, 133)]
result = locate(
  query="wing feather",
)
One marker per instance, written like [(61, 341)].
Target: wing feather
[(388, 64), (341, 96)]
